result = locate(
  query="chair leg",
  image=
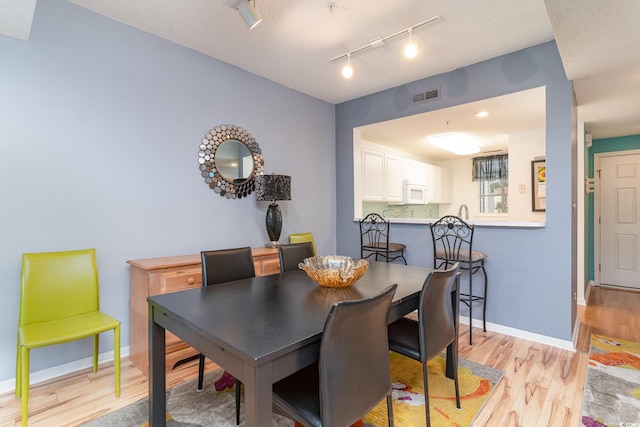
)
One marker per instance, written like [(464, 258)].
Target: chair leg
[(470, 305), (96, 351), (200, 371), (238, 385), (390, 408), (116, 357), (484, 300), (426, 393), (25, 384), (455, 373), (18, 368)]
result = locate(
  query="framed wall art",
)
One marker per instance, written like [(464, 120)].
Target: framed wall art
[(539, 185)]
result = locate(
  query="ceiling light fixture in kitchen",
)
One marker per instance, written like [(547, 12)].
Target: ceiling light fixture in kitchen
[(456, 143)]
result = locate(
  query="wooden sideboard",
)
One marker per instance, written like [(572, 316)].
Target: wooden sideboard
[(155, 276)]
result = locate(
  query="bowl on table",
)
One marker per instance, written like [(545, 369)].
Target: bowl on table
[(334, 271)]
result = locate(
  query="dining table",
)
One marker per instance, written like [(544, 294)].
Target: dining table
[(265, 328)]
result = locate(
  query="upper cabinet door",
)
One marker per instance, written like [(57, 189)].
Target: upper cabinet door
[(382, 176), (394, 178), (372, 175)]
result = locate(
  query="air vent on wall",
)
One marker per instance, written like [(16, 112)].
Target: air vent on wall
[(426, 96)]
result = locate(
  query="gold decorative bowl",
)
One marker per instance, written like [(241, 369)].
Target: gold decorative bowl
[(334, 271)]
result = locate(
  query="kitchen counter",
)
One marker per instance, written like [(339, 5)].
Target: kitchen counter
[(477, 223)]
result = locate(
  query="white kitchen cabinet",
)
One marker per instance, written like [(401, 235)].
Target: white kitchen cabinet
[(394, 178), (382, 176), (415, 172), (439, 184)]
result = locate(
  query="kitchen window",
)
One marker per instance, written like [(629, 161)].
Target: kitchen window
[(492, 175)]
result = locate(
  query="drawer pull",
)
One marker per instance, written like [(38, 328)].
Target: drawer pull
[(191, 280)]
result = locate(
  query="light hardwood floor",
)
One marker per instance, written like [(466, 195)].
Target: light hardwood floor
[(542, 385)]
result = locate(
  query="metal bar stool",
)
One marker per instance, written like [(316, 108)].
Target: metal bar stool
[(453, 242), (374, 239)]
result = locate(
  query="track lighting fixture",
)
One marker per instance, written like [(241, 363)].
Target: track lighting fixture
[(248, 13), (410, 51), (347, 70)]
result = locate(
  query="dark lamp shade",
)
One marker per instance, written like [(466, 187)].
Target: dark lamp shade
[(273, 187)]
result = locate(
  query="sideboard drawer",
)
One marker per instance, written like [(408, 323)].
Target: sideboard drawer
[(181, 280)]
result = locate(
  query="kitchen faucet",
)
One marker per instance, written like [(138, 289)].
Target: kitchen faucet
[(466, 210)]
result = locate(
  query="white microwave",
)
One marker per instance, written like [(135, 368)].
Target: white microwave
[(415, 193)]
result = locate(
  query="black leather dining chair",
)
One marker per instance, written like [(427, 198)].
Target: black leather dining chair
[(291, 255), (220, 266), (352, 374), (453, 243), (435, 329), (374, 240)]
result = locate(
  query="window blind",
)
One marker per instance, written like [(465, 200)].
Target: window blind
[(490, 167)]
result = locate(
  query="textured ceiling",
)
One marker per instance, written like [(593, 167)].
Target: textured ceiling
[(293, 45)]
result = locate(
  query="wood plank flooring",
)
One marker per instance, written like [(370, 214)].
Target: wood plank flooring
[(542, 385)]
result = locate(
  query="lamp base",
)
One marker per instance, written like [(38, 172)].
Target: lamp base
[(274, 222), (272, 244)]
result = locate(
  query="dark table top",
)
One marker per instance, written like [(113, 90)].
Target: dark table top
[(262, 318)]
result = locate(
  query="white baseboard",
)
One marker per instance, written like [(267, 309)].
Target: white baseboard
[(519, 333), (67, 368)]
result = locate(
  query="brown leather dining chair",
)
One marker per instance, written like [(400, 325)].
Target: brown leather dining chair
[(435, 329), (291, 255), (352, 375), (220, 266)]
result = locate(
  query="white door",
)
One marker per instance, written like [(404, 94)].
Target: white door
[(620, 220)]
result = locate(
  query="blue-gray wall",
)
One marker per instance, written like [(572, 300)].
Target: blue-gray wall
[(100, 126), (530, 270)]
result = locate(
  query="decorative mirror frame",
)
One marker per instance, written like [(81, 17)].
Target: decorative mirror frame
[(231, 189)]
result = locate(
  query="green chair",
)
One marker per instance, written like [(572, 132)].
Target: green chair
[(301, 238), (59, 302)]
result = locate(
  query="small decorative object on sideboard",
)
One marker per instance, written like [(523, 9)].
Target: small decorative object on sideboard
[(272, 188), (334, 271)]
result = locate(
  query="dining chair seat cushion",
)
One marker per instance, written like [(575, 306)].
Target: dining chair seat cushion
[(300, 393), (404, 337), (463, 255), (42, 334), (393, 247)]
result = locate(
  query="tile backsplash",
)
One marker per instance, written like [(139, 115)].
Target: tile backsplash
[(401, 211)]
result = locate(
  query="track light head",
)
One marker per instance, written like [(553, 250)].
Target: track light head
[(411, 50), (347, 70), (248, 13)]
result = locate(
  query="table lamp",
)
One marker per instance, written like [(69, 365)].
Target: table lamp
[(273, 188)]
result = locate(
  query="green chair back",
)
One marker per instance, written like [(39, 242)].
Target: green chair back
[(58, 285), (301, 238)]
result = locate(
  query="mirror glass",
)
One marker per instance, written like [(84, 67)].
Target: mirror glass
[(229, 160), (234, 161)]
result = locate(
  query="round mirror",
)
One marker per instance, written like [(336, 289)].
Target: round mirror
[(234, 161), (229, 159)]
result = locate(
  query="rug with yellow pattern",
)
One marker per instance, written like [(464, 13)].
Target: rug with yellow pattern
[(477, 382), (215, 405)]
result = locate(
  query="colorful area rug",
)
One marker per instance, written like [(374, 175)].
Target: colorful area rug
[(477, 382), (186, 407), (612, 386)]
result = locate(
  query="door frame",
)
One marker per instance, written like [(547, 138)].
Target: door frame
[(596, 207)]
